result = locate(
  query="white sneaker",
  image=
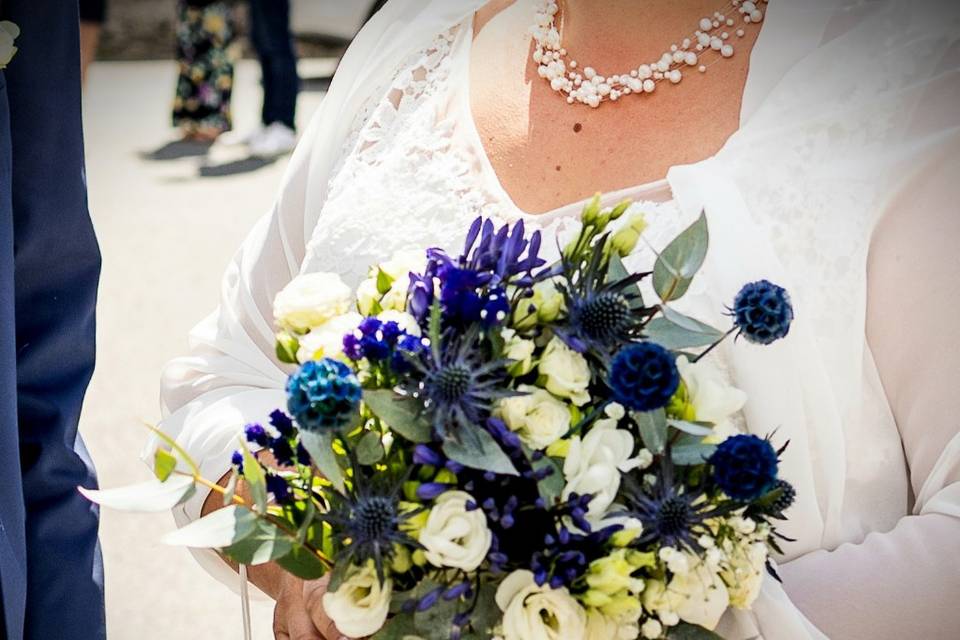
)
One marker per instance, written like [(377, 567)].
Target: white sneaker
[(237, 139), (275, 140)]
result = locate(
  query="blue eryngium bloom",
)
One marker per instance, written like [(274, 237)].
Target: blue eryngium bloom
[(643, 376), (745, 467), (762, 312), (323, 395)]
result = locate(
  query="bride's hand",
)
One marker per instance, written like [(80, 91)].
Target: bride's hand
[(299, 612)]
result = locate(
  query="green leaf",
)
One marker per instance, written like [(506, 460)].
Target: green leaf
[(687, 455), (487, 614), (480, 452), (693, 428), (685, 631), (653, 429), (287, 347), (164, 463), (676, 331), (552, 486), (436, 622), (434, 328), (398, 627), (616, 271), (402, 414), (338, 575), (230, 490), (265, 544), (384, 282), (256, 478), (320, 448), (302, 563), (148, 497), (680, 261), (217, 530), (370, 449)]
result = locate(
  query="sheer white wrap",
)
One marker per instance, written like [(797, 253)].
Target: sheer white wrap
[(843, 106)]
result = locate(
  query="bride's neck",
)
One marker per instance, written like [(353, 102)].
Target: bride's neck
[(628, 28)]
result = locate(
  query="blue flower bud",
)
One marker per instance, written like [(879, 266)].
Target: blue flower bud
[(762, 312), (744, 467), (643, 376)]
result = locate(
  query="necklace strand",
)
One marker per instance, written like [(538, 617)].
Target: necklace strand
[(591, 88)]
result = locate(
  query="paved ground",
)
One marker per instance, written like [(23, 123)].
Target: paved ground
[(167, 228)]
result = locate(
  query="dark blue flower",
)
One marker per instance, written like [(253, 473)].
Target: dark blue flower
[(375, 348), (278, 487), (762, 312), (256, 434), (237, 461), (744, 467), (391, 332), (282, 451), (323, 395), (282, 423), (496, 308), (351, 347), (408, 347), (643, 376)]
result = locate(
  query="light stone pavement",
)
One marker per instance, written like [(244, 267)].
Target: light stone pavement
[(166, 234)]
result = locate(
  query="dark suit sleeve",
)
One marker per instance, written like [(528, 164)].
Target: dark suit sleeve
[(57, 266)]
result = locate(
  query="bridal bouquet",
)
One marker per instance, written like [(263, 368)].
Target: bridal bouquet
[(490, 446)]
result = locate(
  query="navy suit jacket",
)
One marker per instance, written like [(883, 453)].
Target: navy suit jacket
[(50, 569)]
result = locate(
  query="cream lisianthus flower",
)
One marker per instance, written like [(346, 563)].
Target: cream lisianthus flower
[(359, 607), (454, 537), (519, 350), (538, 418), (8, 34), (544, 307), (532, 612), (373, 297), (605, 627), (711, 397), (594, 463), (310, 300), (326, 340), (743, 572), (566, 371)]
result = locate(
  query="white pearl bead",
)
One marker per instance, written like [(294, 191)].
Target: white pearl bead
[(716, 23), (570, 100), (589, 73), (756, 15), (573, 64), (603, 89), (678, 56), (702, 68), (686, 43), (690, 58), (747, 7), (724, 35), (557, 83), (716, 43), (614, 95), (633, 73), (644, 71), (538, 56), (658, 75), (729, 22), (706, 24), (740, 33), (594, 101), (649, 85), (700, 47), (727, 51), (703, 39), (675, 76), (673, 48)]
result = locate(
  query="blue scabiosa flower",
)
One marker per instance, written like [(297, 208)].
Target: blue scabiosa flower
[(744, 467), (643, 376), (323, 395), (762, 312)]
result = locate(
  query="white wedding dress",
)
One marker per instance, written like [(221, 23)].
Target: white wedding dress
[(393, 160)]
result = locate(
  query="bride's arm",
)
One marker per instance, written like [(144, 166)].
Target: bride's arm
[(906, 583)]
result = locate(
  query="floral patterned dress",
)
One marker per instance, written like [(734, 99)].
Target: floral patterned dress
[(205, 33)]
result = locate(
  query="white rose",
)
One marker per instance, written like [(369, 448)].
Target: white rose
[(454, 537), (519, 350), (713, 400), (744, 572), (602, 627), (594, 465), (361, 604), (310, 300), (326, 340), (566, 371), (397, 269), (531, 612), (537, 417), (697, 596)]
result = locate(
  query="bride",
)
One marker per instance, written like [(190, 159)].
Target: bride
[(821, 137)]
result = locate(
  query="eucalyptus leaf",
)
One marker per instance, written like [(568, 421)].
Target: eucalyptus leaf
[(320, 448), (686, 631), (164, 463), (147, 497), (230, 491), (398, 627), (402, 414), (653, 429), (265, 544), (435, 623), (674, 330), (216, 530), (680, 260), (369, 449), (302, 563), (551, 486), (256, 478), (617, 271), (487, 614), (337, 576), (693, 428), (691, 454), (480, 452)]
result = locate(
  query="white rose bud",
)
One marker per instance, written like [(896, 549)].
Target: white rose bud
[(537, 417), (310, 300), (566, 371), (454, 537), (520, 351), (531, 612), (652, 629), (360, 606)]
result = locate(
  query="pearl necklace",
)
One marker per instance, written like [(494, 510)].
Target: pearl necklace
[(591, 88)]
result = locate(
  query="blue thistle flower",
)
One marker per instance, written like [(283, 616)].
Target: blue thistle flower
[(762, 312), (643, 376), (744, 467), (323, 395)]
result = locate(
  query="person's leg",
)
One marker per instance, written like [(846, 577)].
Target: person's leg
[(270, 31), (93, 13)]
